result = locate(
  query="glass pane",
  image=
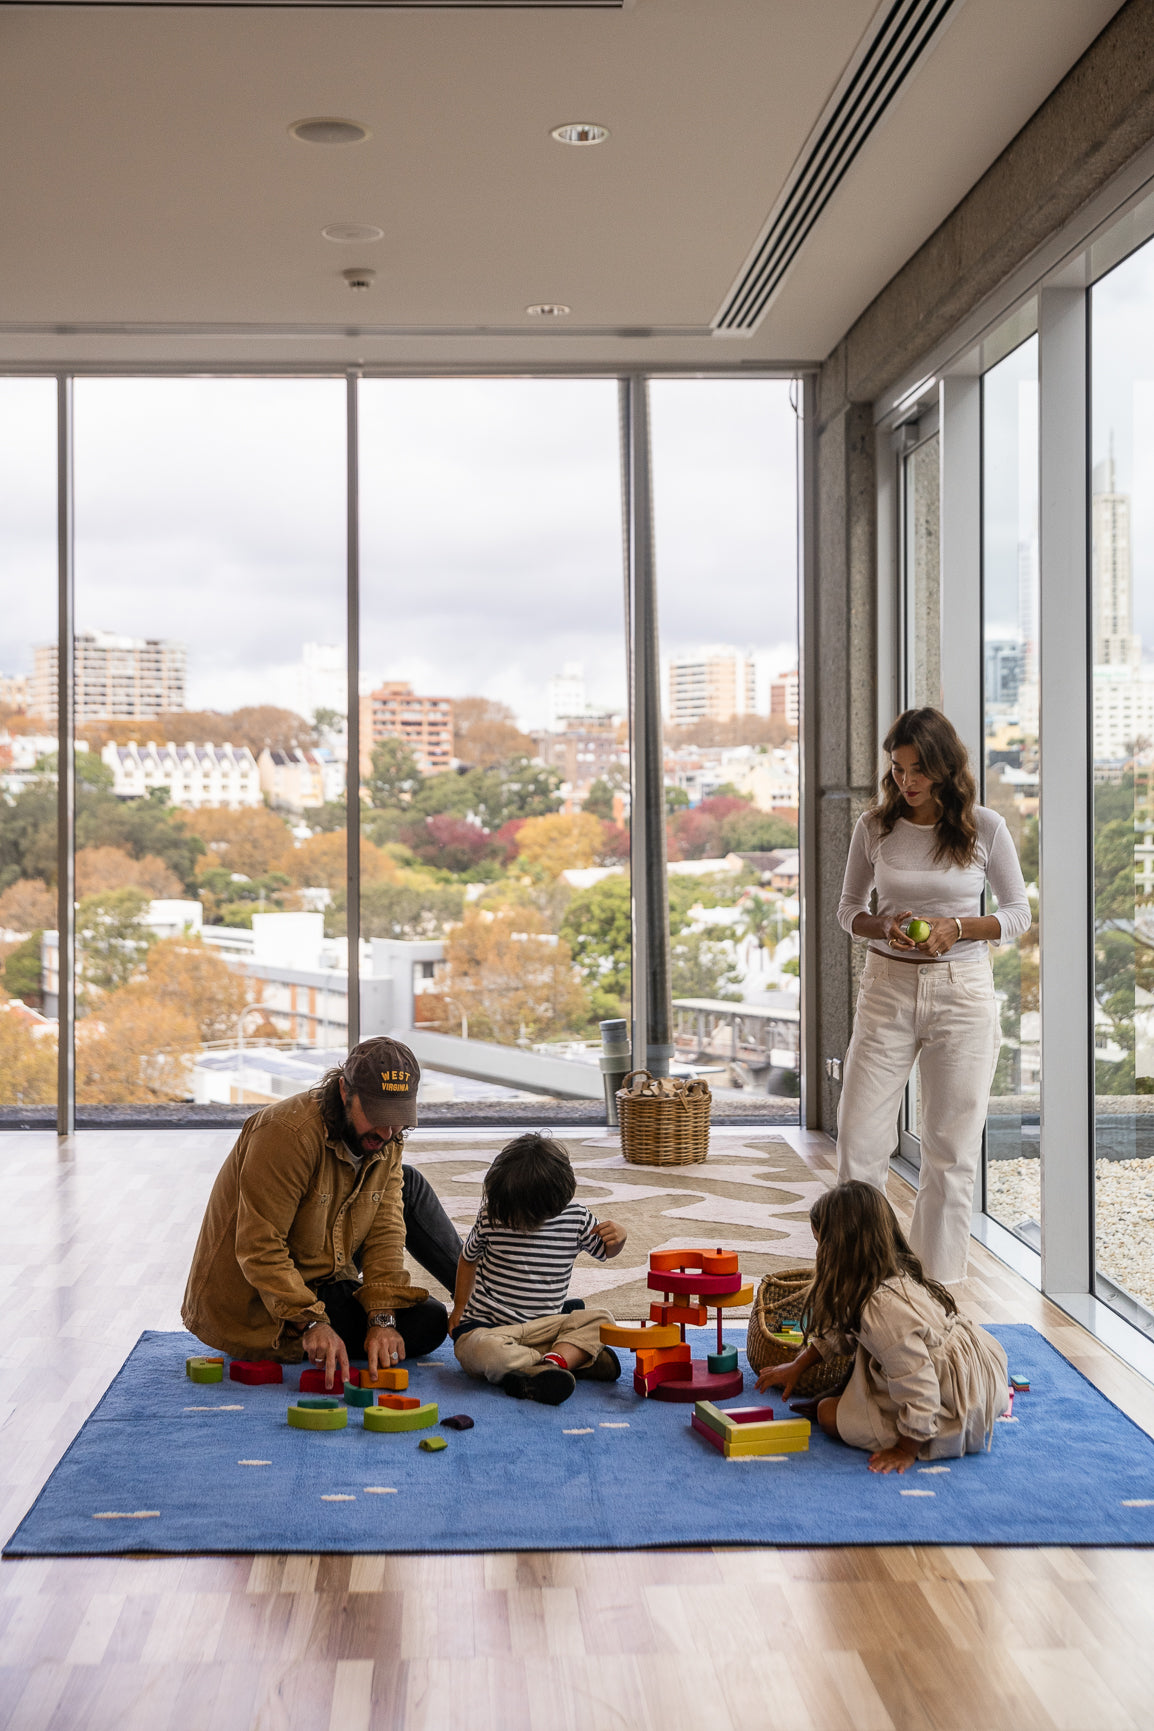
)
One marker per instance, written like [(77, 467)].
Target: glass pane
[(923, 574), (725, 489), (210, 604), (1122, 529), (493, 732), (1011, 765), (27, 751)]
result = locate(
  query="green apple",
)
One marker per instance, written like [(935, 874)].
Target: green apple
[(918, 930)]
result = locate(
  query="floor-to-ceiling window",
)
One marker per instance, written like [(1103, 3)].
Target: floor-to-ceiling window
[(28, 739), (1122, 631), (1010, 766), (210, 700), (724, 469)]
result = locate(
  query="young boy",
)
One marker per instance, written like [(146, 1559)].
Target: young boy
[(507, 1322)]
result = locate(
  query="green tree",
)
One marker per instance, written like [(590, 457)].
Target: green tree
[(597, 925), (414, 909), (22, 972), (395, 778), (111, 941), (676, 799), (599, 800), (753, 831), (701, 967)]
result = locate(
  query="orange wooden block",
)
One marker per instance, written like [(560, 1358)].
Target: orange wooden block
[(649, 1360), (638, 1338), (726, 1300), (398, 1402), (680, 1315), (706, 1261), (390, 1379)]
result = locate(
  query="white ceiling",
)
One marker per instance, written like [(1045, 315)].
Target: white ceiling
[(155, 209)]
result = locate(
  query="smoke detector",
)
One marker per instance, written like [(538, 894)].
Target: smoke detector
[(328, 129), (359, 280)]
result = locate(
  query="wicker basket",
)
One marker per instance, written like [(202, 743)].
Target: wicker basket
[(663, 1131), (779, 1298)]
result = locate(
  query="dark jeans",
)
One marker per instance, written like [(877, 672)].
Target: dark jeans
[(432, 1240)]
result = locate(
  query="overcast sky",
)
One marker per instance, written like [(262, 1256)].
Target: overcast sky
[(213, 512)]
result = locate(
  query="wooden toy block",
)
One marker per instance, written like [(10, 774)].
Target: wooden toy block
[(698, 1285), (313, 1380), (398, 1402), (750, 1415), (681, 1314), (202, 1358), (713, 1437), (255, 1370), (204, 1369), (724, 1360), (319, 1402), (731, 1300), (459, 1421), (638, 1337), (384, 1418), (661, 1261), (789, 1337), (355, 1395), (680, 1354), (734, 1433), (700, 1384), (394, 1380), (334, 1417), (645, 1381), (432, 1444), (789, 1436), (1020, 1384), (719, 1262)]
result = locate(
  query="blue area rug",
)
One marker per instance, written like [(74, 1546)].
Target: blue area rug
[(222, 1471)]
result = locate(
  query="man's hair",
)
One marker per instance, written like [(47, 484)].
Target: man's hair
[(333, 1113), (529, 1182)]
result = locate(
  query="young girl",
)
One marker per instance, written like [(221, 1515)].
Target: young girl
[(926, 1383)]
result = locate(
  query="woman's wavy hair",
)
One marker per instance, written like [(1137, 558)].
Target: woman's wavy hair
[(946, 762), (859, 1247)]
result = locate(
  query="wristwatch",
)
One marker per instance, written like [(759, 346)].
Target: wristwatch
[(382, 1319), (317, 1322)]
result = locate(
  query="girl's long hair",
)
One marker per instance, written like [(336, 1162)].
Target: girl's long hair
[(859, 1247), (945, 761)]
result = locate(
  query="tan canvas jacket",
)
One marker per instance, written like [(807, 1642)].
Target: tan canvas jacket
[(288, 1210)]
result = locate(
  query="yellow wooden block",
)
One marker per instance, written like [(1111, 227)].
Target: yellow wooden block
[(736, 1445), (386, 1418), (637, 1337), (727, 1300)]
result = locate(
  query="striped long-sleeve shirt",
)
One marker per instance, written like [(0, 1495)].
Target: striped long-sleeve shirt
[(521, 1275)]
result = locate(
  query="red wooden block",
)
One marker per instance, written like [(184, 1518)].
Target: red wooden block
[(749, 1414), (645, 1381), (710, 1436), (313, 1381), (399, 1402), (703, 1285), (701, 1384), (255, 1370), (681, 1315)]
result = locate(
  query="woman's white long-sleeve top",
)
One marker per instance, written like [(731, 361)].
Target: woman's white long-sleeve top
[(902, 868)]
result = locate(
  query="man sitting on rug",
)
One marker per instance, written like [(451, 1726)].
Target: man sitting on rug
[(301, 1250)]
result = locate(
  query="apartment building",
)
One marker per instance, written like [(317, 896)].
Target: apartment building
[(711, 685), (115, 676), (785, 697), (192, 775), (395, 711)]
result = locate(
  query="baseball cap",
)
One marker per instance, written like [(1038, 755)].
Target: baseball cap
[(384, 1076)]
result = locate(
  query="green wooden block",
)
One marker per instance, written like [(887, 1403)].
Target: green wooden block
[(719, 1362), (355, 1395), (387, 1418), (334, 1417), (318, 1402), (204, 1369), (433, 1444)]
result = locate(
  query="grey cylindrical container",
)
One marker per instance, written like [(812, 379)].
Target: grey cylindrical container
[(615, 1062)]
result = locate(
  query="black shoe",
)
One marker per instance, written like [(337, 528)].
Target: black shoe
[(606, 1367), (516, 1384), (550, 1384)]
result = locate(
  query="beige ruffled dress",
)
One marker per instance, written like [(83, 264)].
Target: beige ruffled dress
[(937, 1378)]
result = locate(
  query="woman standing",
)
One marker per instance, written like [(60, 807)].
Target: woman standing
[(928, 849)]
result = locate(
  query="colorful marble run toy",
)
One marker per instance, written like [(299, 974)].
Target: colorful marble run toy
[(691, 1283)]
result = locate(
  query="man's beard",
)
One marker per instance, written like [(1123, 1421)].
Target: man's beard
[(365, 1145)]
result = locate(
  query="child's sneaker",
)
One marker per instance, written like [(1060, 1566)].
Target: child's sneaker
[(545, 1383), (606, 1367)]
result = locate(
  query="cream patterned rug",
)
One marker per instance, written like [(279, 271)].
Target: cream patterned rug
[(752, 1195)]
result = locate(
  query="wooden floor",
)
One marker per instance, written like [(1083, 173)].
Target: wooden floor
[(95, 1235)]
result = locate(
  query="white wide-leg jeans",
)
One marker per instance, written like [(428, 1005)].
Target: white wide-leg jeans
[(944, 1015)]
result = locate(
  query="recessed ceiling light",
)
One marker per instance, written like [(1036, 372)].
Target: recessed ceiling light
[(352, 231), (580, 132), (324, 129), (548, 310)]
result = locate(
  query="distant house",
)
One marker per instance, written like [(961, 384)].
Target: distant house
[(193, 775), (294, 780)]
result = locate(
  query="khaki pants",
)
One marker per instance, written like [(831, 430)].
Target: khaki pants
[(493, 1352), (943, 1015)]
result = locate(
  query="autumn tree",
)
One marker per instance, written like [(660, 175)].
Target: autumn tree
[(417, 907), (28, 905), (322, 861), (251, 841), (185, 974), (27, 1062), (111, 940), (510, 983), (452, 844), (23, 971), (486, 734), (139, 1049), (558, 843), (255, 725), (111, 868)]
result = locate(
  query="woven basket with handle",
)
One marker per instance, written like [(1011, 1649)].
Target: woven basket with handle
[(663, 1131), (779, 1298)]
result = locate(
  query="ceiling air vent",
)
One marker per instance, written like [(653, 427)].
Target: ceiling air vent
[(899, 36)]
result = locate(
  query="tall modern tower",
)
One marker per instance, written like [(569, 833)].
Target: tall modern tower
[(1115, 643)]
